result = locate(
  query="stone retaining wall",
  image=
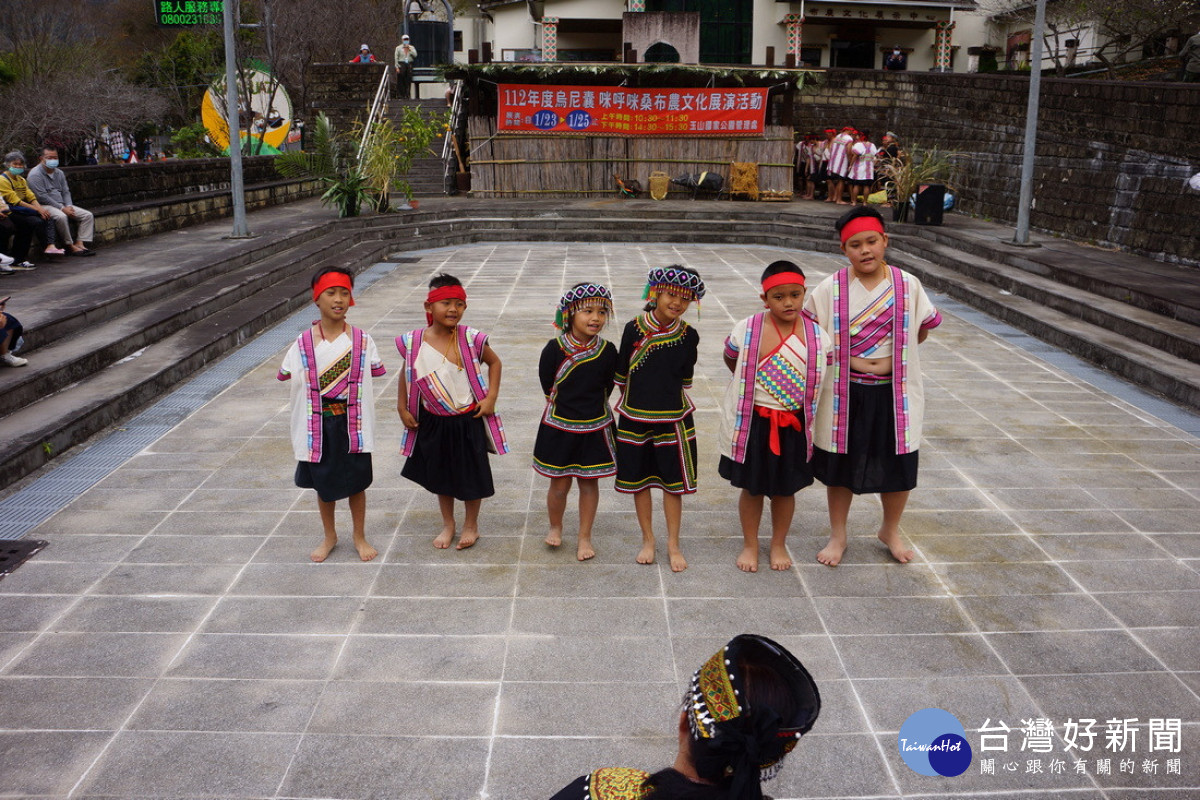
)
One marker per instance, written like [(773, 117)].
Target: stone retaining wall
[(1113, 158)]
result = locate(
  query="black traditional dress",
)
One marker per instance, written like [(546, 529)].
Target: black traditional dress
[(575, 438), (656, 437)]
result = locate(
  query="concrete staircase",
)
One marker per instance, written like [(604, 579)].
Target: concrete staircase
[(428, 175), (107, 337)]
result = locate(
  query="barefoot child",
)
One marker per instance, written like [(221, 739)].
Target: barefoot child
[(575, 439), (656, 438), (448, 408), (777, 358), (869, 415), (333, 413)]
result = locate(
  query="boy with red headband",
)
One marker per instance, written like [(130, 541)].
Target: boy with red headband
[(448, 407), (333, 414), (869, 416), (777, 358)]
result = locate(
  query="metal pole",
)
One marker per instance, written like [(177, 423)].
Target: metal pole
[(1025, 203), (234, 122)]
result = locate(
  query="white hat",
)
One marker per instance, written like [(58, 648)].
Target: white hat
[(404, 38), (364, 47)]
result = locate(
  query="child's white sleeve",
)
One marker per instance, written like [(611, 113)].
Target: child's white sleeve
[(291, 363)]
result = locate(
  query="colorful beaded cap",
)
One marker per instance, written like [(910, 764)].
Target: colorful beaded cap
[(675, 280), (715, 695), (578, 297)]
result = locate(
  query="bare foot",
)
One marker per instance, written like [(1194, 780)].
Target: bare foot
[(554, 537), (831, 554), (896, 546), (748, 560), (468, 539), (646, 554), (322, 552), (678, 562), (780, 558), (444, 538), (584, 550), (365, 551)]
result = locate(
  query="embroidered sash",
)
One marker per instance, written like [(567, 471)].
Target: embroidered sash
[(470, 347), (573, 358), (749, 356), (872, 326), (898, 318), (342, 377)]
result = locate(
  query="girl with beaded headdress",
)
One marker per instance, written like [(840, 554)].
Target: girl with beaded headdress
[(777, 358), (746, 709), (656, 437), (575, 437)]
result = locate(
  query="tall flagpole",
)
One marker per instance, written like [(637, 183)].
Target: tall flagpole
[(234, 122), (1025, 203)]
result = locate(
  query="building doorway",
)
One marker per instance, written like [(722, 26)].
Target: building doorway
[(661, 53), (852, 53)]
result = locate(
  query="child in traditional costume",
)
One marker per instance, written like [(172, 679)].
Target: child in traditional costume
[(777, 358), (333, 410), (448, 407), (869, 417), (575, 439), (656, 438), (746, 709)]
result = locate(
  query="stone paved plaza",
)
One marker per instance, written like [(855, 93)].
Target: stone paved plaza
[(173, 641)]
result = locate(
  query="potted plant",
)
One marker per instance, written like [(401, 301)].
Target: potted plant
[(391, 149), (905, 174)]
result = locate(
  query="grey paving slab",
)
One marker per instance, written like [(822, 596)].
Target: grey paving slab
[(175, 621)]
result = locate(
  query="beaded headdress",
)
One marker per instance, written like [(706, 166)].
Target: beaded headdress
[(714, 701), (676, 280), (577, 297)]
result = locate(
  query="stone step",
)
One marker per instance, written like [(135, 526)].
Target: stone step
[(31, 435)]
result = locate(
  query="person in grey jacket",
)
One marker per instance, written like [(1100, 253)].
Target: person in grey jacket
[(49, 183)]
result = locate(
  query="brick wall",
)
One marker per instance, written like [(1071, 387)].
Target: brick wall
[(342, 91), (1113, 158), (119, 184)]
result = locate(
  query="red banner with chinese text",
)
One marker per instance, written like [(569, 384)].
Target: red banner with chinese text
[(622, 111)]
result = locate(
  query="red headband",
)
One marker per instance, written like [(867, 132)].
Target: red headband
[(781, 278), (860, 224), (444, 293), (331, 279)]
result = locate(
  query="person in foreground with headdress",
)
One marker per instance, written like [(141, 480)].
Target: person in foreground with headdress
[(746, 709), (656, 437), (575, 437)]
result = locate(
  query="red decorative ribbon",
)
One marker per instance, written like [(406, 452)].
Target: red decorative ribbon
[(860, 224), (780, 279), (779, 419), (444, 293)]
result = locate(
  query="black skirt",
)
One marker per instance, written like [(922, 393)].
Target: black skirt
[(656, 455), (450, 456), (870, 465), (339, 474), (559, 454), (765, 473)]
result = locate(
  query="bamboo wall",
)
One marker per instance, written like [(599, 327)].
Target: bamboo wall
[(567, 165)]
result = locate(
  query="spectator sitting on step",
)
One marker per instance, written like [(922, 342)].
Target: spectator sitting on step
[(1189, 60), (23, 202), (17, 229), (49, 183), (10, 337), (364, 56)]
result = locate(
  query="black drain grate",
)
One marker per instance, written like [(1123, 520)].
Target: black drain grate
[(15, 553)]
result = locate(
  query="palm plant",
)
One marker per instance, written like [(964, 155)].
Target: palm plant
[(391, 149), (331, 160), (906, 173)]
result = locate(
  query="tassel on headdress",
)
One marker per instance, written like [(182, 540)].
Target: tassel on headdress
[(676, 280), (577, 297)]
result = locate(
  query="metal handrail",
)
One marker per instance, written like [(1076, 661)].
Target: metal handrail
[(377, 107), (449, 159)]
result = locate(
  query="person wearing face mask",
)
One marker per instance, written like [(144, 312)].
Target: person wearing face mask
[(49, 183), (896, 60), (22, 202)]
